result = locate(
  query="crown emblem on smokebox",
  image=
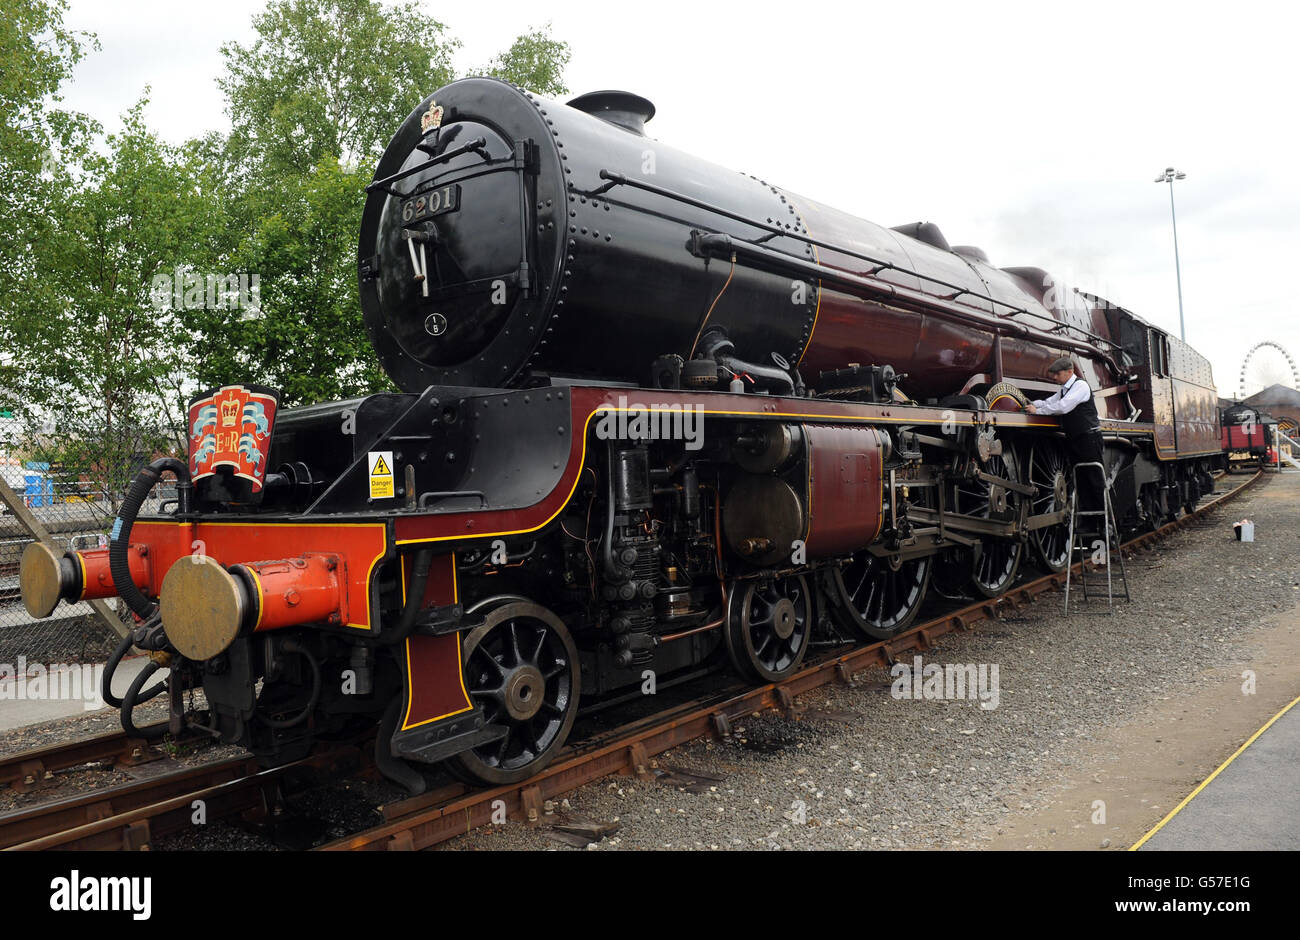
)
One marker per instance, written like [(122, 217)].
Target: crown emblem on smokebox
[(431, 119), (229, 412)]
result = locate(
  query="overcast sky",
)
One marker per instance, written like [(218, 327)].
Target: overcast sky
[(1034, 131)]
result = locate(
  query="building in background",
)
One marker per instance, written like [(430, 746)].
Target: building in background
[(1279, 401)]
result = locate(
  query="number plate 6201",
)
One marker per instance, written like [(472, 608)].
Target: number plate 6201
[(431, 202)]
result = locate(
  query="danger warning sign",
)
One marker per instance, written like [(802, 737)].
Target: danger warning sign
[(381, 474)]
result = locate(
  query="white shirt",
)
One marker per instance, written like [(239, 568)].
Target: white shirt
[(1070, 396)]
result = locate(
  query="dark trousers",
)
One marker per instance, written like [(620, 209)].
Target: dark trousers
[(1086, 448)]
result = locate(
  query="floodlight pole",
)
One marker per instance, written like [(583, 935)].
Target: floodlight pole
[(1168, 176)]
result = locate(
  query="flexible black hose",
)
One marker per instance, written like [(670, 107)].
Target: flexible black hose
[(414, 598), (293, 646), (110, 668), (106, 684), (132, 699), (119, 565)]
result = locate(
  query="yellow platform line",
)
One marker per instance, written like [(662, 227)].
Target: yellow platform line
[(1206, 782)]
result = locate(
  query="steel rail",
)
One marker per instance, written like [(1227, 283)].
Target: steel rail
[(131, 817), (45, 819), (27, 770)]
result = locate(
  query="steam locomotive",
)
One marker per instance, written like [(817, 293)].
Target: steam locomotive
[(655, 416)]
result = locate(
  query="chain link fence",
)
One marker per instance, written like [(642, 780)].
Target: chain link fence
[(76, 515)]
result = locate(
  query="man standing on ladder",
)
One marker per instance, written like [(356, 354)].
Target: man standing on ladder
[(1082, 428)]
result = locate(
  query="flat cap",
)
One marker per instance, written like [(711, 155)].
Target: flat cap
[(1060, 365)]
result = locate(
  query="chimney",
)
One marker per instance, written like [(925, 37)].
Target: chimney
[(620, 108)]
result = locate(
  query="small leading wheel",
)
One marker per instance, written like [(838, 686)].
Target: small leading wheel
[(996, 560), (878, 597), (1049, 471), (769, 624), (1152, 507), (521, 668)]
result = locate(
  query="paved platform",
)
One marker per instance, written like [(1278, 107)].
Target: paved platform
[(1251, 803), (20, 712)]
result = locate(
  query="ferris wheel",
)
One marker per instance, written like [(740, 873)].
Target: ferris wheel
[(1267, 363)]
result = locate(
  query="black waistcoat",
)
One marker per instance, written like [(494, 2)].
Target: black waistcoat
[(1083, 418)]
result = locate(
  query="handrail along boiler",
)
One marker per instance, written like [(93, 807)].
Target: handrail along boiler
[(654, 415)]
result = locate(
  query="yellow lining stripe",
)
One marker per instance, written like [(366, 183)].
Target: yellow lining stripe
[(704, 411), (410, 699), (81, 561), (1204, 783), (261, 597), (460, 665)]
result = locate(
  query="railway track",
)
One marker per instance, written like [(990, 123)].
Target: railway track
[(29, 770), (130, 817)]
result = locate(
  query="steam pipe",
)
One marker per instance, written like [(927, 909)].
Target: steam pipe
[(715, 345), (414, 598)]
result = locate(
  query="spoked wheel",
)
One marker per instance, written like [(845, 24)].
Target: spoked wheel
[(879, 597), (521, 668), (1151, 506), (998, 560), (769, 624), (1193, 494), (1048, 470)]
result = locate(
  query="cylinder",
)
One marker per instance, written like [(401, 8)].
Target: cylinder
[(845, 489), (97, 581), (205, 606), (299, 590), (763, 517), (690, 494), (632, 480), (45, 577)]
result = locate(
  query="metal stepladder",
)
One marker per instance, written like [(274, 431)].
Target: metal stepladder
[(1110, 539)]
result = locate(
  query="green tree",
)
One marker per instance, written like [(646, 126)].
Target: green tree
[(327, 78), (38, 140), (536, 61), (297, 233), (109, 367)]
